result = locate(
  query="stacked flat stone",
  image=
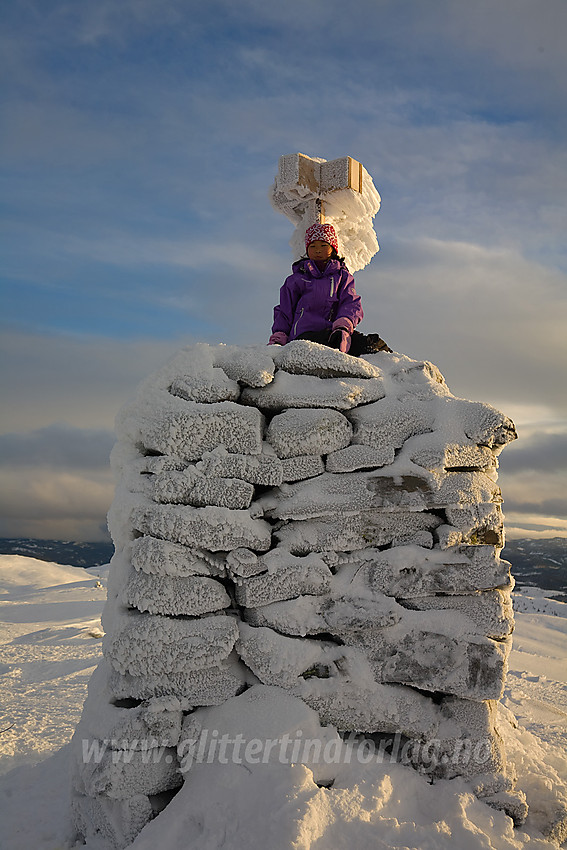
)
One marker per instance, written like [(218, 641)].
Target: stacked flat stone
[(304, 519)]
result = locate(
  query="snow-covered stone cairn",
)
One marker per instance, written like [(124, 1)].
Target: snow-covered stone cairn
[(292, 523)]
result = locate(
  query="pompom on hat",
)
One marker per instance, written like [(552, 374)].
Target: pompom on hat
[(324, 232)]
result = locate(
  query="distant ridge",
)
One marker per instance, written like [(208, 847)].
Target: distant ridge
[(59, 551), (539, 562)]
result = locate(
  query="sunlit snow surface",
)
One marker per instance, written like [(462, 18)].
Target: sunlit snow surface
[(50, 634)]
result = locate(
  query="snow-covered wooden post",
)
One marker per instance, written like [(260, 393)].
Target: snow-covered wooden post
[(340, 192), (305, 183)]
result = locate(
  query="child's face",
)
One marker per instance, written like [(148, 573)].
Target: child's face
[(319, 251)]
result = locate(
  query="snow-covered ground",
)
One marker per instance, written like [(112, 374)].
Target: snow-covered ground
[(50, 634), (536, 690), (51, 641)]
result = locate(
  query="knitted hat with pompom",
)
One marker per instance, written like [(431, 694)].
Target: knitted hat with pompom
[(324, 232)]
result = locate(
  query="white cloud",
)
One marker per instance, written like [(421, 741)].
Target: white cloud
[(520, 525), (55, 505), (56, 483), (133, 250), (518, 34), (535, 492), (78, 381), (58, 446), (541, 451), (491, 320)]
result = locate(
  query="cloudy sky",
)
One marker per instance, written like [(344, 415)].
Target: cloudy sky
[(140, 138)]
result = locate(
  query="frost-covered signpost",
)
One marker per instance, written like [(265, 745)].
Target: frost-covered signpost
[(340, 192), (304, 185), (307, 550)]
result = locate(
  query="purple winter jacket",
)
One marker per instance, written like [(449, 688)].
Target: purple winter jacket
[(311, 300)]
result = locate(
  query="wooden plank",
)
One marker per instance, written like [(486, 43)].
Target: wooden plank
[(354, 174)]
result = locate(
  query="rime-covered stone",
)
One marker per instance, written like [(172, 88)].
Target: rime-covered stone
[(174, 595), (251, 366), (218, 529), (191, 487), (453, 456), (310, 391), (355, 531), (207, 686), (264, 469), (308, 432), (117, 822), (489, 612), (449, 536), (349, 608), (207, 389), (301, 357), (389, 422), (483, 424), (471, 668), (120, 778), (172, 426), (242, 563), (286, 577), (144, 643), (332, 494), (356, 457), (408, 571), (161, 557), (128, 728), (302, 467), (312, 615), (283, 661), (477, 524)]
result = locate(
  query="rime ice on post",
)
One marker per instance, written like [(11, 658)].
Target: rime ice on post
[(340, 192), (304, 185)]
